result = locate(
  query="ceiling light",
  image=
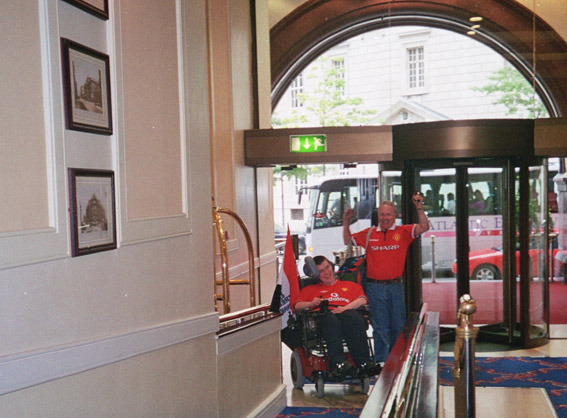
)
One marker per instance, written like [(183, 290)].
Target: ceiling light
[(476, 19)]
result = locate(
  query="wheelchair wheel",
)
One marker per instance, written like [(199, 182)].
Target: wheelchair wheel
[(296, 371), (365, 385), (319, 387)]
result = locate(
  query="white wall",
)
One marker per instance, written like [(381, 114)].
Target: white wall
[(114, 333)]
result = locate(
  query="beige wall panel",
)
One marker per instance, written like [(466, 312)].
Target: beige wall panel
[(23, 171), (266, 233), (221, 99), (241, 59), (151, 108), (104, 294), (177, 381), (264, 81), (264, 176), (258, 370)]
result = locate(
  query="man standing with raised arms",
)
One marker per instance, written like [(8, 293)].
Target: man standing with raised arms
[(385, 258)]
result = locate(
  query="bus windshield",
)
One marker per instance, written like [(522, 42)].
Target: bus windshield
[(328, 202)]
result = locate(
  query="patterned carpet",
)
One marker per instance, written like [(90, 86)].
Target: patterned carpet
[(296, 411), (547, 373)]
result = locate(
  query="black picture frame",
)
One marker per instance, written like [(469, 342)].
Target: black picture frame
[(92, 211), (86, 88), (98, 8)]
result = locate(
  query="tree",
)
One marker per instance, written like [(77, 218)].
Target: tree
[(514, 92), (326, 104)]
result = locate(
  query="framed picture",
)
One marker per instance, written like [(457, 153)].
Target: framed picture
[(86, 87), (99, 8), (93, 213)]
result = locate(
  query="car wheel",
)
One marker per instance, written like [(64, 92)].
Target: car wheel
[(485, 272)]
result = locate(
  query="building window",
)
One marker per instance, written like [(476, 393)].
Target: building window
[(416, 68), (338, 64), (297, 214), (300, 184), (296, 90)]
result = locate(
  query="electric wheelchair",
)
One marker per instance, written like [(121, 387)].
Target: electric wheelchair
[(310, 360)]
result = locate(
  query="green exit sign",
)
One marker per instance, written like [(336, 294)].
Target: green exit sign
[(308, 143)]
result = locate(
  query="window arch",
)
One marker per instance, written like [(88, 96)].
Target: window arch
[(317, 25)]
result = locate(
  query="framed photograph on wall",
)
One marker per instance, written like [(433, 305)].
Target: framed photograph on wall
[(86, 88), (93, 212), (99, 8)]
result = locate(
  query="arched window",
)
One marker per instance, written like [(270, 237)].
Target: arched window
[(316, 26)]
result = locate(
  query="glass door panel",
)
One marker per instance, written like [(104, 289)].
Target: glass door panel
[(485, 188), (438, 245), (537, 269), (464, 204)]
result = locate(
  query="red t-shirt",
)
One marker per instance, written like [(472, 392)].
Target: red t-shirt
[(339, 293), (386, 251)]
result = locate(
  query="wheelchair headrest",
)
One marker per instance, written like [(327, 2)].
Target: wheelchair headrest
[(310, 268)]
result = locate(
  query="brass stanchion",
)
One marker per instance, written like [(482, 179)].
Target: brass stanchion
[(463, 373)]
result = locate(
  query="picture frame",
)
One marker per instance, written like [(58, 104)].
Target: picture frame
[(86, 88), (98, 8), (92, 211)]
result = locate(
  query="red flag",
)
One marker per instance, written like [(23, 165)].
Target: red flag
[(287, 286), (290, 271)]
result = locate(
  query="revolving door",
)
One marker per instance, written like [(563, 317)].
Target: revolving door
[(488, 238)]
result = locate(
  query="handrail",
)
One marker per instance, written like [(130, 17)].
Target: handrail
[(408, 383), (225, 282)]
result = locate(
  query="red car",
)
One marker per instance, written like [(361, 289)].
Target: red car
[(486, 264)]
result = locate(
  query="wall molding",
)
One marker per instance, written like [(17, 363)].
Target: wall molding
[(233, 341), (33, 368), (272, 405)]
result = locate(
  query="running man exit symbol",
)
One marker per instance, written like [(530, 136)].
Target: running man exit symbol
[(308, 143)]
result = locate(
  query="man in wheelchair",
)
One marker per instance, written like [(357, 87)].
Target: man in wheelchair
[(336, 304)]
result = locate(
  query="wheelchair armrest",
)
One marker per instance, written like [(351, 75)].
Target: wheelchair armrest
[(307, 281), (364, 310)]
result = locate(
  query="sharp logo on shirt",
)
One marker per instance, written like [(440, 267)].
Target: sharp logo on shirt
[(384, 247)]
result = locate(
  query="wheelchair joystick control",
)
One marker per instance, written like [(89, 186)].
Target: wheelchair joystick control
[(324, 306)]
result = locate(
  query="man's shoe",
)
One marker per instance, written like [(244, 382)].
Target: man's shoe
[(370, 368), (343, 369)]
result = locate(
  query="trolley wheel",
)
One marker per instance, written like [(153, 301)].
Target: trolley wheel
[(296, 370), (319, 387), (365, 385)]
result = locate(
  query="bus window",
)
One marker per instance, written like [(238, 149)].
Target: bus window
[(329, 200), (391, 188), (447, 195)]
